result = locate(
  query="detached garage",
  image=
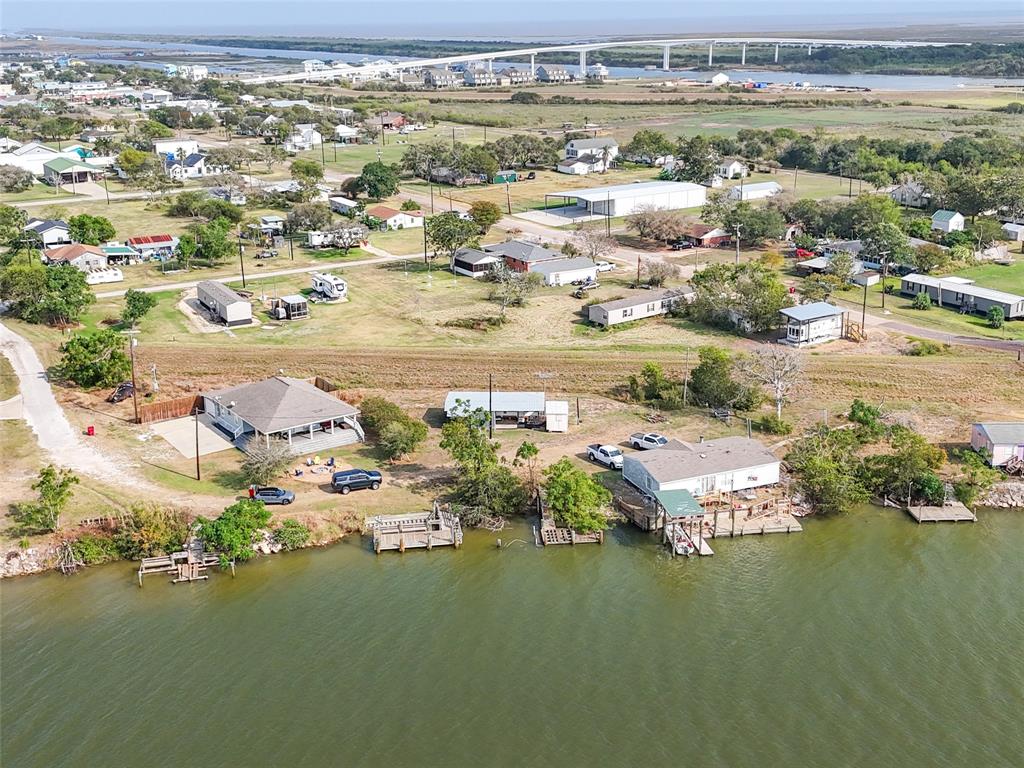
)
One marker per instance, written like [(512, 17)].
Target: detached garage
[(624, 199)]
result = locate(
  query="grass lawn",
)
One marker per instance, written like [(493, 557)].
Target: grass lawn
[(8, 379), (1001, 277), (36, 192), (937, 318)]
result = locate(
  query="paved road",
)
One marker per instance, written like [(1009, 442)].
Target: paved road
[(61, 442)]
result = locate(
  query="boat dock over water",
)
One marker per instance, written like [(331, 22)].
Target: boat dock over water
[(550, 533), (187, 565), (951, 512), (417, 530)]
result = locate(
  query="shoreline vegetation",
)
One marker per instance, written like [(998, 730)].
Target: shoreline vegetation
[(976, 59)]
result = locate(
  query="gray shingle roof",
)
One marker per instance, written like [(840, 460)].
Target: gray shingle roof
[(219, 291), (523, 251), (563, 265), (644, 297), (678, 460), (280, 403), (1004, 432)]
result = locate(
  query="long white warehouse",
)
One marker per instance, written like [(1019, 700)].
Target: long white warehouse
[(624, 199)]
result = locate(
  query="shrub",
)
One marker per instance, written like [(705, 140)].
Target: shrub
[(410, 205), (772, 425), (376, 413), (924, 348), (995, 317), (262, 462), (150, 530), (93, 549), (400, 438), (232, 533), (292, 535), (922, 301)]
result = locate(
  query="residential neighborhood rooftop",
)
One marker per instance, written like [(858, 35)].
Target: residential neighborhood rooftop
[(678, 460), (280, 403), (812, 311), (1004, 432)]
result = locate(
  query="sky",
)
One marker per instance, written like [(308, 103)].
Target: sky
[(535, 19)]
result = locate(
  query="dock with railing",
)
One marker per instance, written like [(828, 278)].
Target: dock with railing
[(549, 533), (416, 530), (190, 564)]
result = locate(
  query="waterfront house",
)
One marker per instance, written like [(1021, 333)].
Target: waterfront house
[(442, 78), (1002, 442), (723, 464), (636, 307), (553, 73), (947, 221), (516, 76), (962, 293), (285, 409), (813, 323), (478, 76), (224, 304)]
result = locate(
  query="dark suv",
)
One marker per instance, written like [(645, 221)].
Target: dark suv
[(355, 479)]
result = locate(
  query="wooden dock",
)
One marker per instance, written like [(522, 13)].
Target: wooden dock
[(417, 530), (550, 533), (188, 565), (952, 512)]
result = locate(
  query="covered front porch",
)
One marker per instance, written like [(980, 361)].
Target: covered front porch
[(317, 436)]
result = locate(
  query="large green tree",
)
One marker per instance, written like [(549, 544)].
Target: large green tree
[(55, 487), (696, 160), (95, 359), (91, 230), (576, 499), (448, 231), (378, 180), (231, 535)]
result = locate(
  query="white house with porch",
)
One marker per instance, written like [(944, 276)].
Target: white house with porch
[(813, 323), (294, 411)]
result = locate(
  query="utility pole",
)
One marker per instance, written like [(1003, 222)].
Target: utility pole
[(291, 250), (737, 245), (425, 257), (135, 391), (508, 197), (885, 273), (106, 188), (323, 156), (638, 270), (864, 309), (490, 405), (241, 261), (198, 475), (796, 172), (430, 184), (686, 376)]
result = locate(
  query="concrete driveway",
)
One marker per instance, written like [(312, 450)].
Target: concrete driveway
[(181, 434)]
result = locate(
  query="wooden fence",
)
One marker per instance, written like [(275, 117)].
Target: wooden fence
[(169, 409)]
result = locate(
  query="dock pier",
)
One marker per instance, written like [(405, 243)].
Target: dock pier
[(187, 565), (417, 530), (550, 533), (951, 512)]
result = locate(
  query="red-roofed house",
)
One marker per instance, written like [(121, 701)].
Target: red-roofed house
[(706, 236), (392, 219), (77, 255), (154, 246)]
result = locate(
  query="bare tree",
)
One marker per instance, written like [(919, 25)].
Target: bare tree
[(348, 237), (263, 462), (658, 272), (593, 243), (652, 223), (776, 368), (512, 288)]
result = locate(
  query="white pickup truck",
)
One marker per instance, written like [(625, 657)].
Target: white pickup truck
[(608, 455), (646, 440)]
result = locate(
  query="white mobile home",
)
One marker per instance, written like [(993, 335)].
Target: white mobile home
[(962, 293), (726, 464), (565, 271), (635, 307), (510, 409), (224, 304), (758, 191)]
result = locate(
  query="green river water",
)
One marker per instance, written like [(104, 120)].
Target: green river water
[(863, 641)]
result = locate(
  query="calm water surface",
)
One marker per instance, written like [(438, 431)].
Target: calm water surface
[(863, 641)]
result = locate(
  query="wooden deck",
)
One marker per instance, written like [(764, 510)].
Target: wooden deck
[(188, 565), (953, 512), (550, 533), (417, 530)]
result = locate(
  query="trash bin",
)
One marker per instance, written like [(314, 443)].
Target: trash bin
[(90, 430)]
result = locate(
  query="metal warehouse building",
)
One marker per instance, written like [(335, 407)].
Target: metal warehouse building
[(624, 199)]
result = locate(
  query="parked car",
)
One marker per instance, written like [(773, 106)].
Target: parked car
[(682, 245), (608, 455), (531, 176), (803, 254), (586, 283), (272, 495), (122, 391), (647, 440), (355, 479), (605, 266)]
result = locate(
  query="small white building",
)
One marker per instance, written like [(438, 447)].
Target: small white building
[(565, 271), (947, 221), (473, 262), (313, 65), (758, 191), (731, 168), (1013, 232), (911, 194), (725, 464), (156, 96), (479, 77), (813, 323), (556, 415), (346, 134), (510, 410), (553, 73), (194, 72), (1002, 442), (223, 303), (720, 79), (304, 137), (392, 219)]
